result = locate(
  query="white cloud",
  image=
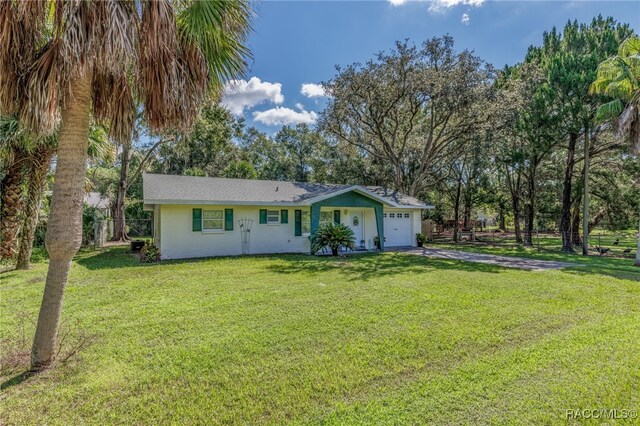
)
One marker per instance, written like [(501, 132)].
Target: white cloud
[(466, 19), (279, 116), (300, 106), (241, 94), (312, 90), (439, 6), (443, 5)]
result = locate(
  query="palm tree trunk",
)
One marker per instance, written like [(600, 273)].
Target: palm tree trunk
[(11, 206), (64, 230), (38, 169)]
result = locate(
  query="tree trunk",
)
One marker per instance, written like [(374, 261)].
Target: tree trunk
[(575, 222), (12, 204), (516, 219), (64, 229), (528, 219), (637, 263), (585, 195), (334, 251), (565, 220), (119, 220), (456, 213), (38, 169), (529, 208)]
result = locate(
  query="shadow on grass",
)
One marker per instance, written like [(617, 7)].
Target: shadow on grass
[(16, 380), (362, 266), (366, 266)]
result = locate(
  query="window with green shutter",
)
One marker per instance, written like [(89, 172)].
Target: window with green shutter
[(228, 219), (284, 216), (336, 216), (298, 223), (196, 220), (263, 216)]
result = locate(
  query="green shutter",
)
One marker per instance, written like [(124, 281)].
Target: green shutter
[(284, 216), (263, 216), (228, 219), (298, 223), (336, 216), (196, 220)]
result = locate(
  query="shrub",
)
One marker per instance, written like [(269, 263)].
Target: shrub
[(421, 238), (149, 253), (334, 236)]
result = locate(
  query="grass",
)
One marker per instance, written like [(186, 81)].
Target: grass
[(618, 267), (375, 339)]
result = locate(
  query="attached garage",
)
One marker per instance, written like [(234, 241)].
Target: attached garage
[(398, 229)]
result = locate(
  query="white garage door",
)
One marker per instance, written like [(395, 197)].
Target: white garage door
[(397, 229)]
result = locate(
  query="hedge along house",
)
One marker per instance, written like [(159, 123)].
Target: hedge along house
[(203, 217)]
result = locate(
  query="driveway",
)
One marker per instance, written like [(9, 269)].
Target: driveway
[(505, 261)]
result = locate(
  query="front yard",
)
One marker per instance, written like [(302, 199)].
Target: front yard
[(381, 339)]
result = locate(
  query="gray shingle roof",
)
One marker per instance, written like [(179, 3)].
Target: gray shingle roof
[(175, 189)]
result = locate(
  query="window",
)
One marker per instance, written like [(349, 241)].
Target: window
[(326, 217), (392, 215), (212, 220), (306, 222), (273, 217), (385, 215), (406, 215)]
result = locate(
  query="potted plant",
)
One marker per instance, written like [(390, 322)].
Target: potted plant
[(420, 239), (376, 242)]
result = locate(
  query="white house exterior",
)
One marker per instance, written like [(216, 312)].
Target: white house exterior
[(204, 217)]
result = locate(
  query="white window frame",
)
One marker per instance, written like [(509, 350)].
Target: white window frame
[(306, 213), (213, 230), (271, 216)]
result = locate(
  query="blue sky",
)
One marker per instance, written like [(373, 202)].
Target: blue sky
[(298, 42)]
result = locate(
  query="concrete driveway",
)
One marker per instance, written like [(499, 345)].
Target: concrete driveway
[(491, 259)]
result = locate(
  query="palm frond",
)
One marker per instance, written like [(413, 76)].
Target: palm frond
[(40, 107), (158, 70), (119, 38), (100, 148), (609, 110), (630, 47), (220, 29)]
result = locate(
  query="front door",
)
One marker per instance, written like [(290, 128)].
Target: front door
[(356, 224)]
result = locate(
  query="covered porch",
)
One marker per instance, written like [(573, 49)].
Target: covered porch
[(361, 213)]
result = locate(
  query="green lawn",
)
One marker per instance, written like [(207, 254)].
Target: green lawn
[(371, 339)]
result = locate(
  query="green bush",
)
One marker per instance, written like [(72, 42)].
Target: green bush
[(334, 236), (149, 253)]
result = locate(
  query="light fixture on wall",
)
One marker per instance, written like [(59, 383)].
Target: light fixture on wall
[(346, 211)]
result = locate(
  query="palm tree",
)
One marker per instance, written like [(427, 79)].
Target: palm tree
[(62, 61), (619, 77), (38, 164), (14, 152)]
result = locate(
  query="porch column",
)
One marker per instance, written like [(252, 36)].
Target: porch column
[(315, 219), (379, 225)]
